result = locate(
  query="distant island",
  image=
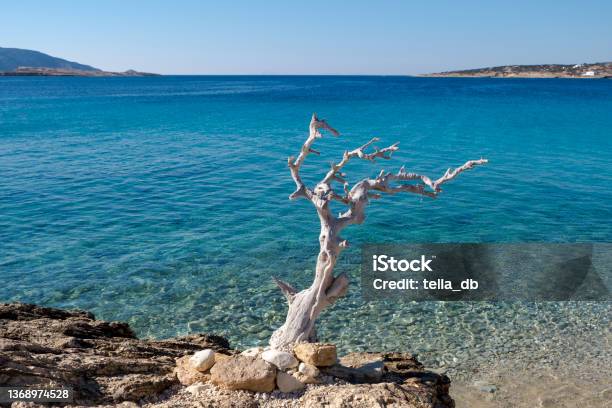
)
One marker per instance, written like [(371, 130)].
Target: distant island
[(596, 70), (20, 62), (31, 71)]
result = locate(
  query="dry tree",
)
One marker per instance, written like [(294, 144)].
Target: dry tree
[(305, 306)]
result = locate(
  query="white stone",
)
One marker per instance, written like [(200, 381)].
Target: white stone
[(308, 370), (203, 360), (252, 352), (288, 383), (196, 388), (281, 359)]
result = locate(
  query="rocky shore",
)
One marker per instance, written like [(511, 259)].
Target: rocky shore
[(107, 365)]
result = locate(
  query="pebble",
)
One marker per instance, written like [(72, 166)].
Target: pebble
[(281, 359), (196, 388), (203, 360)]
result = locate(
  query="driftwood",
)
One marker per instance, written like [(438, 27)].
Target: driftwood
[(305, 306)]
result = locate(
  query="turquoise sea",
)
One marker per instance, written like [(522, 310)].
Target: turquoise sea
[(162, 201)]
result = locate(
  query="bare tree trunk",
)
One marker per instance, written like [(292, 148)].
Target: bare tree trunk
[(305, 306)]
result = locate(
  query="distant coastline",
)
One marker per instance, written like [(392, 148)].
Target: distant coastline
[(21, 62), (31, 71), (586, 71)]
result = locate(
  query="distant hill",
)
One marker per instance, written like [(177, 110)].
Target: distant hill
[(13, 58), (18, 62), (597, 70), (27, 71)]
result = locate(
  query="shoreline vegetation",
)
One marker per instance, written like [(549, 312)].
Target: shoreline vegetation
[(600, 70)]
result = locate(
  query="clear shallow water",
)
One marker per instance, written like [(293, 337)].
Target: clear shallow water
[(163, 201)]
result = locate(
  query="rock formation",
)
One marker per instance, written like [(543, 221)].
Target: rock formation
[(107, 365), (102, 361)]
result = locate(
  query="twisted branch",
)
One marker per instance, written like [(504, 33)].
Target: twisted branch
[(288, 290), (360, 193), (295, 163), (451, 174), (359, 152), (357, 197)]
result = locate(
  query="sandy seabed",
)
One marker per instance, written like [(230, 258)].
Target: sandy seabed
[(580, 377)]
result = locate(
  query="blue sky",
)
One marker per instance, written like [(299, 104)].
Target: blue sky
[(310, 37)]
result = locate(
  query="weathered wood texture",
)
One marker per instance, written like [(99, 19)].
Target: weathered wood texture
[(305, 306)]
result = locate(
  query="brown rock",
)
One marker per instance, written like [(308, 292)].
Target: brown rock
[(359, 368), (401, 369), (288, 383), (306, 379), (317, 354), (219, 357), (128, 404), (129, 388), (187, 374), (103, 362), (244, 373), (365, 396), (307, 373), (253, 351)]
